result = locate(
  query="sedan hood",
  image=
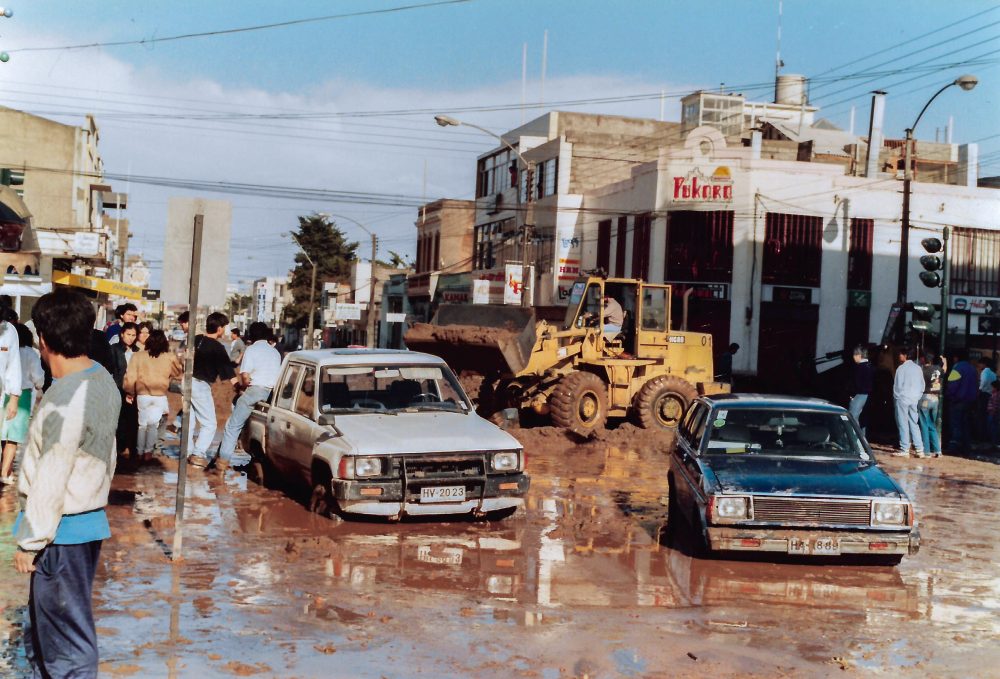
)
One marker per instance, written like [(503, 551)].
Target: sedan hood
[(422, 432), (789, 476)]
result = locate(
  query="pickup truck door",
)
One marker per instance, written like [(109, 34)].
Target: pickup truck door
[(688, 478), (279, 418), (303, 430)]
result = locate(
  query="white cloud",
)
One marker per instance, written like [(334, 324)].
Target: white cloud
[(373, 155)]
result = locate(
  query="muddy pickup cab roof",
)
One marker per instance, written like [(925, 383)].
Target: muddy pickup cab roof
[(356, 356)]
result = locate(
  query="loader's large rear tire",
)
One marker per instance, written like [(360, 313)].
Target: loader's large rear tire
[(579, 403), (661, 402)]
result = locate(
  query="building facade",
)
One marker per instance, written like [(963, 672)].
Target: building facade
[(76, 217)]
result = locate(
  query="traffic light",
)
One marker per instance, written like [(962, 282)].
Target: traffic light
[(923, 316), (931, 262)]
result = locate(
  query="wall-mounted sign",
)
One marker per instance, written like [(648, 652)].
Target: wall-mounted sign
[(480, 292), (696, 186), (86, 243), (859, 299), (392, 317), (718, 291), (513, 284), (976, 305), (347, 312), (792, 295), (151, 294)]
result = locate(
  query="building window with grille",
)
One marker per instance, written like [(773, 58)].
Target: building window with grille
[(975, 262), (700, 246), (793, 250)]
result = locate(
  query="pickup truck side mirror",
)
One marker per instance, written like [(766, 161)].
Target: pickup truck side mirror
[(326, 420)]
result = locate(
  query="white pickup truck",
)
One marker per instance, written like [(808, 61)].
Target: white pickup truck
[(384, 433)]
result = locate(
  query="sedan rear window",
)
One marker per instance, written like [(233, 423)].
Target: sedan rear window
[(783, 432)]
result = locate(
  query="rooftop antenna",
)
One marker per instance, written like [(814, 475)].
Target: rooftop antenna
[(778, 63)]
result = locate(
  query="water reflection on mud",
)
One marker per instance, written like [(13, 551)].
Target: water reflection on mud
[(264, 583)]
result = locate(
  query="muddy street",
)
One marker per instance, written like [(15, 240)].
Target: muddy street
[(588, 581)]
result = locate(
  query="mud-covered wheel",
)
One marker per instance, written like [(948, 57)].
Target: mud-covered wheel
[(579, 403), (321, 500), (661, 402)]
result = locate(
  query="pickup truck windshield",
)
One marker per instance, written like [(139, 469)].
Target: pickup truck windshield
[(395, 388), (783, 433)]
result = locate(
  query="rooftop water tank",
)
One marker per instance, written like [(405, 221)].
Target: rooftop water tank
[(791, 90)]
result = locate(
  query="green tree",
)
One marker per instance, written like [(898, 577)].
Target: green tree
[(328, 246), (397, 261)]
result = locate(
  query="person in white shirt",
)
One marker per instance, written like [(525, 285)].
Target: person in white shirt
[(907, 389), (15, 431), (258, 374)]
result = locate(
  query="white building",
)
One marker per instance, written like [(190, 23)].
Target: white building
[(270, 296), (789, 259)]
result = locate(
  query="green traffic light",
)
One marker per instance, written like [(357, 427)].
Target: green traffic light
[(4, 57)]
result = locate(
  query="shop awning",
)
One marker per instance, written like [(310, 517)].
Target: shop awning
[(115, 288)]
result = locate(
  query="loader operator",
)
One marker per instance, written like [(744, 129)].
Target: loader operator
[(614, 317)]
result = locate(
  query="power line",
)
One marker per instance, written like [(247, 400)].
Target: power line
[(244, 29)]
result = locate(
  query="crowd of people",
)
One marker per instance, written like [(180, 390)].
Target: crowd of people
[(970, 392), (77, 405)]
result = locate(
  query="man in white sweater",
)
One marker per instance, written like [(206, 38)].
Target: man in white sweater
[(65, 478), (907, 389)]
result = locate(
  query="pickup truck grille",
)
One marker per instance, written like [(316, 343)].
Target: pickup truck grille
[(444, 467), (798, 511)]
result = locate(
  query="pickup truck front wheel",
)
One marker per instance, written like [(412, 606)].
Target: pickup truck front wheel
[(321, 500)]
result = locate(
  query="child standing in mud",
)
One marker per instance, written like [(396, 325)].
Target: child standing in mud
[(63, 488)]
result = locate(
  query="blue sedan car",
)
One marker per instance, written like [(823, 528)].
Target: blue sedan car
[(759, 473)]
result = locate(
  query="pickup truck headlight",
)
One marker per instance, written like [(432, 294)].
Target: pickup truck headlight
[(367, 466), (506, 461), (889, 514), (730, 508)]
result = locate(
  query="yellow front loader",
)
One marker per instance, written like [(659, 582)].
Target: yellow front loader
[(582, 371)]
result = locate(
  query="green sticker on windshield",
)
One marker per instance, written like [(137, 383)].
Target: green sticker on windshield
[(719, 423)]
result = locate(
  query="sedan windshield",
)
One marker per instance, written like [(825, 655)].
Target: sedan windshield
[(390, 388), (783, 432)]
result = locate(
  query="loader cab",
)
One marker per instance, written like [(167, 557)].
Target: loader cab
[(586, 309)]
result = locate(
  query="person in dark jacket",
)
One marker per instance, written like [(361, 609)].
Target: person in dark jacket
[(960, 397), (128, 416), (860, 387)]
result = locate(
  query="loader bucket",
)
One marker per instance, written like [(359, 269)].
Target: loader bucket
[(478, 338)]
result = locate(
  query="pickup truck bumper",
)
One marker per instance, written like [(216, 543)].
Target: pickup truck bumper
[(781, 540), (389, 498)]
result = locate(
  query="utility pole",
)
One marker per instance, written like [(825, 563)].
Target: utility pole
[(370, 340), (312, 306), (904, 236), (186, 424), (527, 272)]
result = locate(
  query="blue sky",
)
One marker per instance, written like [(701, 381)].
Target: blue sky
[(444, 56)]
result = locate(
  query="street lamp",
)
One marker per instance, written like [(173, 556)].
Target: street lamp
[(308, 344), (370, 330), (529, 172), (966, 82)]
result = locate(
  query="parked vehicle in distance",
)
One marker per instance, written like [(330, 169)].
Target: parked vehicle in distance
[(383, 433), (762, 473)]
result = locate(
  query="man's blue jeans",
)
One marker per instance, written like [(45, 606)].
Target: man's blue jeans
[(60, 639), (909, 429), (855, 407), (238, 419), (928, 406)]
